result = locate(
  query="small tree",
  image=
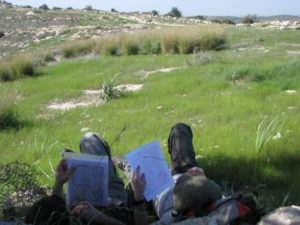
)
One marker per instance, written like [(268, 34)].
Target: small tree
[(88, 8), (113, 10), (175, 12), (44, 7), (249, 19), (155, 13), (57, 8)]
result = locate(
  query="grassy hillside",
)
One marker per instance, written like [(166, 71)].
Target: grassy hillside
[(224, 95)]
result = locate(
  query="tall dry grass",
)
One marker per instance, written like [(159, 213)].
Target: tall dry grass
[(178, 40), (78, 48), (17, 66), (9, 117)]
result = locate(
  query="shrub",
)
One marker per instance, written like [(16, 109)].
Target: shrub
[(155, 13), (19, 175), (9, 117), (44, 7), (199, 17), (88, 8), (108, 91), (57, 8), (249, 19), (113, 10), (174, 13), (69, 8), (2, 34), (228, 21)]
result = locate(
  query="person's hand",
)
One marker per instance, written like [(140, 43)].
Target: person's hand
[(63, 173), (138, 184), (196, 171), (85, 210)]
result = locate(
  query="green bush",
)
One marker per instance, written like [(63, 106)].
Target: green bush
[(174, 12), (44, 7), (249, 19)]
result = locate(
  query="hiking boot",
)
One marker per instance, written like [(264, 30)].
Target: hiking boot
[(91, 143), (181, 149), (66, 150)]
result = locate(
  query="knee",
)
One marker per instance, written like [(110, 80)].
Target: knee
[(181, 128)]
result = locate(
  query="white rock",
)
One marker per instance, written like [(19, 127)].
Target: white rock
[(291, 91), (30, 13), (85, 129), (282, 216)]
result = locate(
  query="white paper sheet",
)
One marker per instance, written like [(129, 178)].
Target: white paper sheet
[(89, 181), (154, 165)]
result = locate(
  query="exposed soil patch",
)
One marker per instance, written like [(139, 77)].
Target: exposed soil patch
[(293, 52), (145, 74), (89, 98)]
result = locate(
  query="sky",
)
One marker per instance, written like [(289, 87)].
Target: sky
[(187, 7)]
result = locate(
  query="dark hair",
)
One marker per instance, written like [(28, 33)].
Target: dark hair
[(49, 210)]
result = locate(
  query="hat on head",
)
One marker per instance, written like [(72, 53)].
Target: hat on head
[(194, 191)]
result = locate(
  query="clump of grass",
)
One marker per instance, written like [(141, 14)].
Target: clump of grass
[(200, 58), (110, 46), (131, 45), (169, 42), (17, 66), (77, 48), (108, 91), (183, 40), (265, 130), (240, 73), (9, 117), (151, 47)]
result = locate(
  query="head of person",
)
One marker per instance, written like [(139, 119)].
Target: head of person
[(49, 210), (192, 194)]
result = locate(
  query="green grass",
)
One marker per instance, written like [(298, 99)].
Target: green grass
[(223, 112)]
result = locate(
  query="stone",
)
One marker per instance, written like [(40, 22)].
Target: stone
[(282, 216), (19, 202)]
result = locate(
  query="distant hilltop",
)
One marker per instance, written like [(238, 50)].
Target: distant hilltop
[(235, 19), (22, 27)]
